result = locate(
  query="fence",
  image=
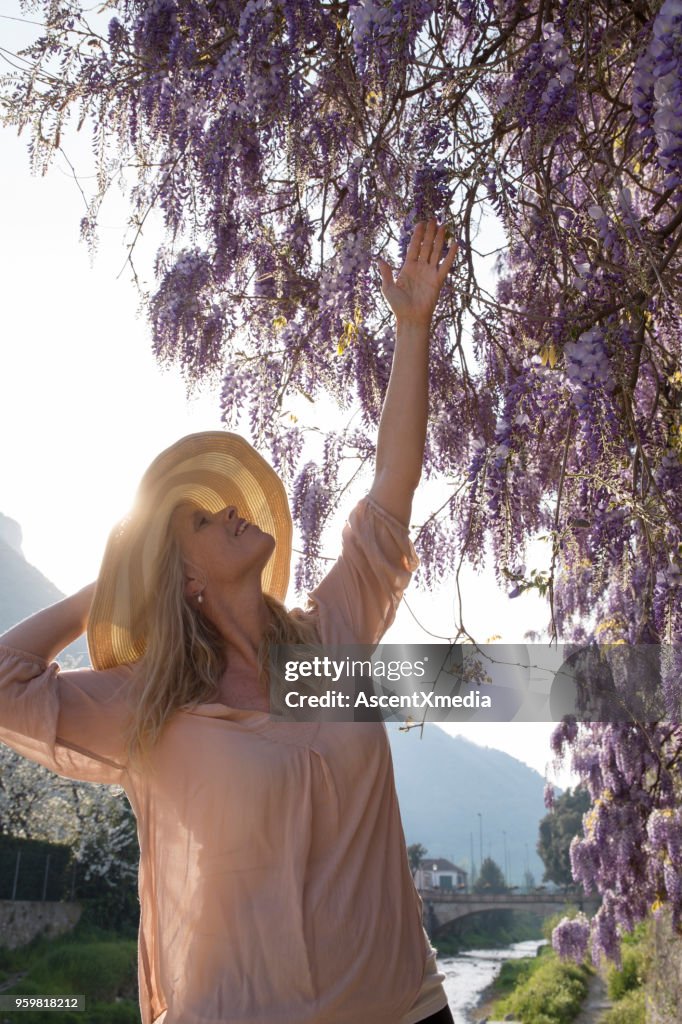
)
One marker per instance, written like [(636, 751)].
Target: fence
[(45, 875), (31, 870), (36, 871), (27, 875)]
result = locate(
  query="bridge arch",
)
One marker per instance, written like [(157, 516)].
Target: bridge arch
[(442, 910)]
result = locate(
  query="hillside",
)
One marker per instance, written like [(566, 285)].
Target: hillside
[(24, 589), (444, 781)]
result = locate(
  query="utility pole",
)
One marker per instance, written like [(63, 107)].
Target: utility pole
[(473, 866), (480, 838)]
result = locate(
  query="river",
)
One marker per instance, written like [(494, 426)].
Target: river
[(468, 974)]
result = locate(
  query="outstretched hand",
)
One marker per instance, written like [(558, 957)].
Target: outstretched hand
[(413, 294)]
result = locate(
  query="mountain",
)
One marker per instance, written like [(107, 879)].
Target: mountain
[(23, 588), (444, 781)]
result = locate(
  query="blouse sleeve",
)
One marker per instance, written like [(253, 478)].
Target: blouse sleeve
[(71, 722), (357, 600)]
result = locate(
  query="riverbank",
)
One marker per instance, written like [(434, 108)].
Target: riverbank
[(491, 995), (485, 1006)]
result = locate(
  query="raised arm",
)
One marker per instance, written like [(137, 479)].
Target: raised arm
[(412, 296), (49, 631), (73, 723)]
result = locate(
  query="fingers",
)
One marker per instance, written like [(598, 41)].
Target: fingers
[(415, 245), (426, 244), (448, 260), (386, 272), (438, 243), (430, 234)]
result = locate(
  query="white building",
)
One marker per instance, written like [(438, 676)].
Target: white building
[(439, 873)]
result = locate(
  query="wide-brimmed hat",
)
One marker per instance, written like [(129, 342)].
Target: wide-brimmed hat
[(212, 469)]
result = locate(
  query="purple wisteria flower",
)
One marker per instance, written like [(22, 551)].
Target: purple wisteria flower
[(587, 362), (657, 93), (571, 936)]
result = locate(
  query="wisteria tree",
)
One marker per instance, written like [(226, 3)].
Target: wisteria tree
[(285, 145)]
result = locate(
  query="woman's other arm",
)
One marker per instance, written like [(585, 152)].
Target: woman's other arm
[(71, 722), (49, 631), (402, 429)]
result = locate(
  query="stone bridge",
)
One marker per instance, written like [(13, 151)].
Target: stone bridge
[(441, 908)]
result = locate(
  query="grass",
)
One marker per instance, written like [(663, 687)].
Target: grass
[(517, 972), (634, 957), (88, 961), (626, 986), (547, 990)]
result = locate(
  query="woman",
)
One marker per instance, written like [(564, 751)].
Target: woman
[(274, 882)]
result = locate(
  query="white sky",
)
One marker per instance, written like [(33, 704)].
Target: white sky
[(85, 408)]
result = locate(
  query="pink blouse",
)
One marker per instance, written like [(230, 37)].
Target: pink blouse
[(274, 882)]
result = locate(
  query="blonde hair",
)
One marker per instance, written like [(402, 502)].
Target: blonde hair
[(184, 654)]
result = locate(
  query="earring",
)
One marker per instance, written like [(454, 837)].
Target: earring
[(200, 599)]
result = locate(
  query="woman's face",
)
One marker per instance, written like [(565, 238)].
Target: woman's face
[(219, 548)]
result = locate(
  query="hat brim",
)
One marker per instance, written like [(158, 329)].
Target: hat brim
[(211, 469)]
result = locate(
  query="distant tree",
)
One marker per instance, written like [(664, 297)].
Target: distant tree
[(490, 878), (415, 854), (557, 830), (95, 821), (108, 852), (528, 879), (34, 803)]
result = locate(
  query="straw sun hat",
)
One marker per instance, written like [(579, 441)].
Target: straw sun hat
[(212, 469)]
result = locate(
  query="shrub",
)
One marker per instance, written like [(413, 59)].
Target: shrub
[(48, 1016), (514, 973), (629, 977), (635, 957), (125, 1012), (629, 1010), (116, 910), (553, 994)]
